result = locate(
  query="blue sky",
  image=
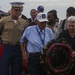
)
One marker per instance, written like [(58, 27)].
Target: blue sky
[(59, 5)]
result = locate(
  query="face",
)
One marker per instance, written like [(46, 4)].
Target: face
[(50, 18), (41, 25), (33, 13), (16, 13), (71, 27)]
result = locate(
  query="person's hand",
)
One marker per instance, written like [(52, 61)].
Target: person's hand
[(73, 54), (24, 56)]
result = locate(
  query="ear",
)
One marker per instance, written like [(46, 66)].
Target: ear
[(11, 9)]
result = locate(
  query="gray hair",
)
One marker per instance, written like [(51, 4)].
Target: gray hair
[(71, 19)]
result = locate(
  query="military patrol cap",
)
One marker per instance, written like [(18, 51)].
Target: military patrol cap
[(17, 5)]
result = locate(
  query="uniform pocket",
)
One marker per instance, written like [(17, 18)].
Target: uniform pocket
[(21, 27), (8, 27)]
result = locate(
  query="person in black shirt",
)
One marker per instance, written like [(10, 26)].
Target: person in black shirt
[(70, 40), (69, 36), (63, 23)]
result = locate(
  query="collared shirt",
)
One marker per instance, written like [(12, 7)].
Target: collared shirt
[(11, 31), (33, 19), (34, 42)]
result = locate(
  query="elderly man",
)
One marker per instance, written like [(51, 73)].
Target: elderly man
[(69, 36), (11, 28), (37, 37)]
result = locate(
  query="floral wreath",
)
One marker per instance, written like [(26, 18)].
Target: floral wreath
[(58, 58)]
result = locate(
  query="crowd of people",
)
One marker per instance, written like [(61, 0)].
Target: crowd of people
[(23, 38)]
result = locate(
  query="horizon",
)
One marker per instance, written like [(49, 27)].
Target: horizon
[(59, 6)]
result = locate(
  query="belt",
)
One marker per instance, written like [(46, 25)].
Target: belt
[(35, 53), (11, 43)]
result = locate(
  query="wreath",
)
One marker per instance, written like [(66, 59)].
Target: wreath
[(58, 58)]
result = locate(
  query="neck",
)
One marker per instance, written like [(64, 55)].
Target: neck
[(51, 26), (41, 28), (15, 17), (51, 23)]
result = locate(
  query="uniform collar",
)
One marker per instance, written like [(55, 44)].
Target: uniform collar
[(11, 19), (40, 30), (33, 19)]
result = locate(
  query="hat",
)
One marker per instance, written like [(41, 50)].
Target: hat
[(17, 5), (41, 17), (40, 8)]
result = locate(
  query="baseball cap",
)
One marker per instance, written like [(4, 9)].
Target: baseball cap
[(17, 5), (41, 17), (40, 8)]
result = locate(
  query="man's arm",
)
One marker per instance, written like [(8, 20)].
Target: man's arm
[(23, 49)]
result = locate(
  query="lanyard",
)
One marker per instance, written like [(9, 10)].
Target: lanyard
[(42, 39)]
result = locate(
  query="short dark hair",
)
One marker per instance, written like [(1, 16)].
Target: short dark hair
[(54, 11), (54, 14), (71, 10)]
